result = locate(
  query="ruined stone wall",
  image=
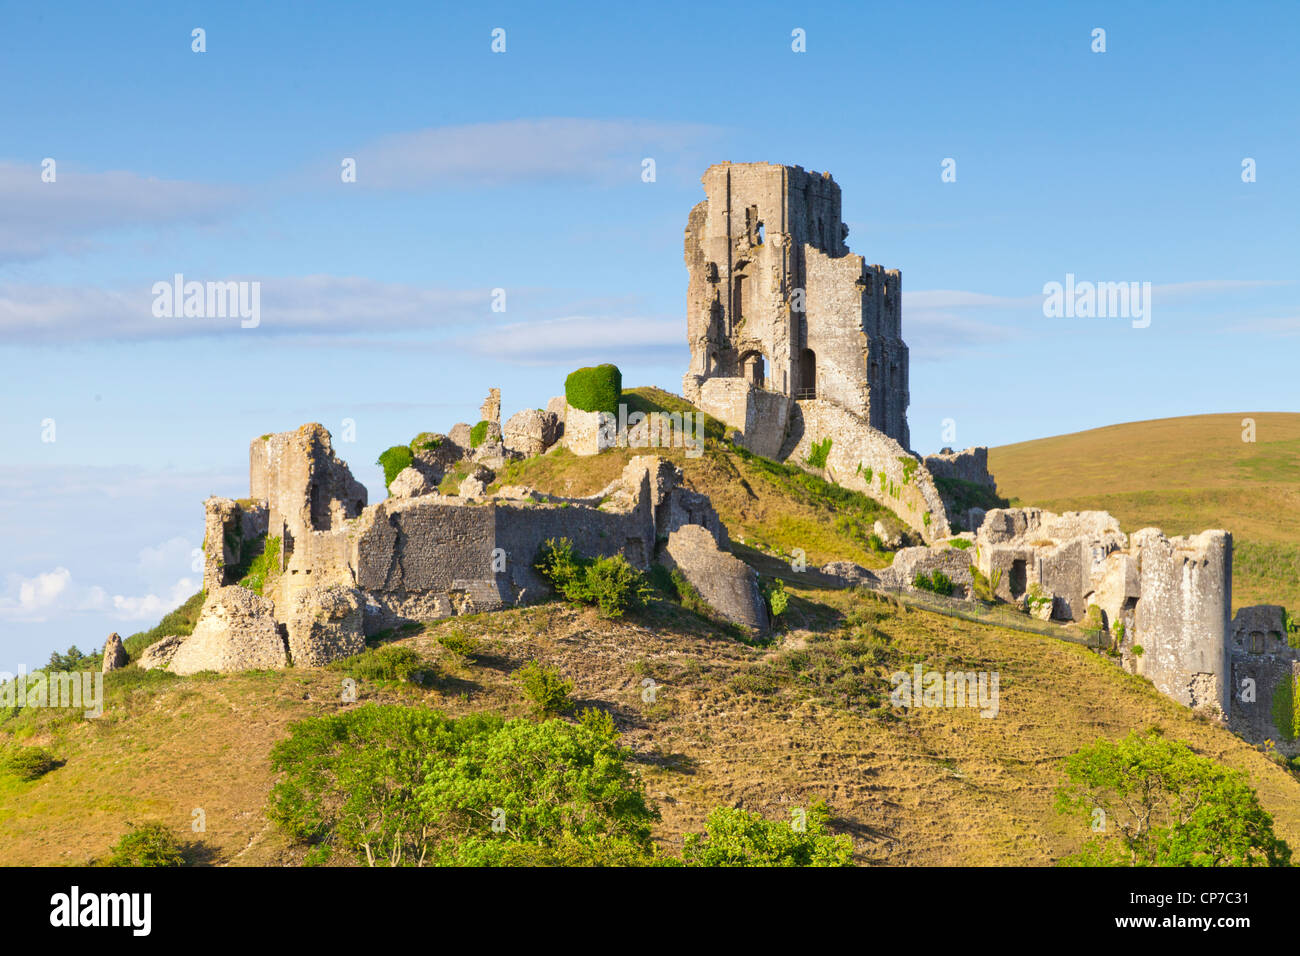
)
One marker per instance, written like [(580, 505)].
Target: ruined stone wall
[(761, 417), (305, 485), (867, 460), (1182, 615), (971, 465), (231, 530), (1264, 672), (854, 332)]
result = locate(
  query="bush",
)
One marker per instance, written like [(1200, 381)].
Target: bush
[(614, 586), (459, 643), (611, 584), (735, 837), (30, 763), (152, 844), (546, 687), (478, 434), (936, 582), (392, 662), (595, 389), (777, 599), (404, 786), (393, 461)]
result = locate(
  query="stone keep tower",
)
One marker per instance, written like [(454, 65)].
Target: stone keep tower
[(767, 240)]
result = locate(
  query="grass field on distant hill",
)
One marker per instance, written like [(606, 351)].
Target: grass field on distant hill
[(1181, 475)]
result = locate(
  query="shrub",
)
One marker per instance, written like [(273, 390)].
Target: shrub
[(478, 434), (595, 389), (403, 786), (817, 453), (30, 763), (777, 599), (459, 643), (734, 837), (611, 584), (391, 662), (936, 582), (960, 543), (393, 461), (546, 687), (615, 586), (152, 844)]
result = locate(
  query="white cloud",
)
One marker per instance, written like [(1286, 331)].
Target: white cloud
[(68, 214), (54, 594)]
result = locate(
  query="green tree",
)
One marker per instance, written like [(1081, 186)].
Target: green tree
[(1154, 802), (735, 837)]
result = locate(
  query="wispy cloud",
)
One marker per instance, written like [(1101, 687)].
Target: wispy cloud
[(72, 213), (50, 314), (556, 149)]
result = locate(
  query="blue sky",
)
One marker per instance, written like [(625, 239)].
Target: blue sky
[(522, 170)]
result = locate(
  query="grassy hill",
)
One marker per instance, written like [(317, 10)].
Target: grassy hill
[(769, 727), (1182, 475)]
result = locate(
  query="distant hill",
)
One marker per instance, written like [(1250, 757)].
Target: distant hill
[(1181, 475)]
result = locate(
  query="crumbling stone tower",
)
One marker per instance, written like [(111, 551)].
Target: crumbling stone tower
[(776, 298)]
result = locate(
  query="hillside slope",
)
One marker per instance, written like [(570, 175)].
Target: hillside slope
[(768, 727), (1182, 475)]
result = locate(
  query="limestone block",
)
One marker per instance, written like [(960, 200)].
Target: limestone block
[(460, 434), (160, 653), (909, 562), (114, 653), (236, 631), (409, 483), (853, 575), (557, 406), (531, 431), (726, 583), (325, 624), (588, 433)]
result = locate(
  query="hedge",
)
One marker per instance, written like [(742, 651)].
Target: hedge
[(595, 389)]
